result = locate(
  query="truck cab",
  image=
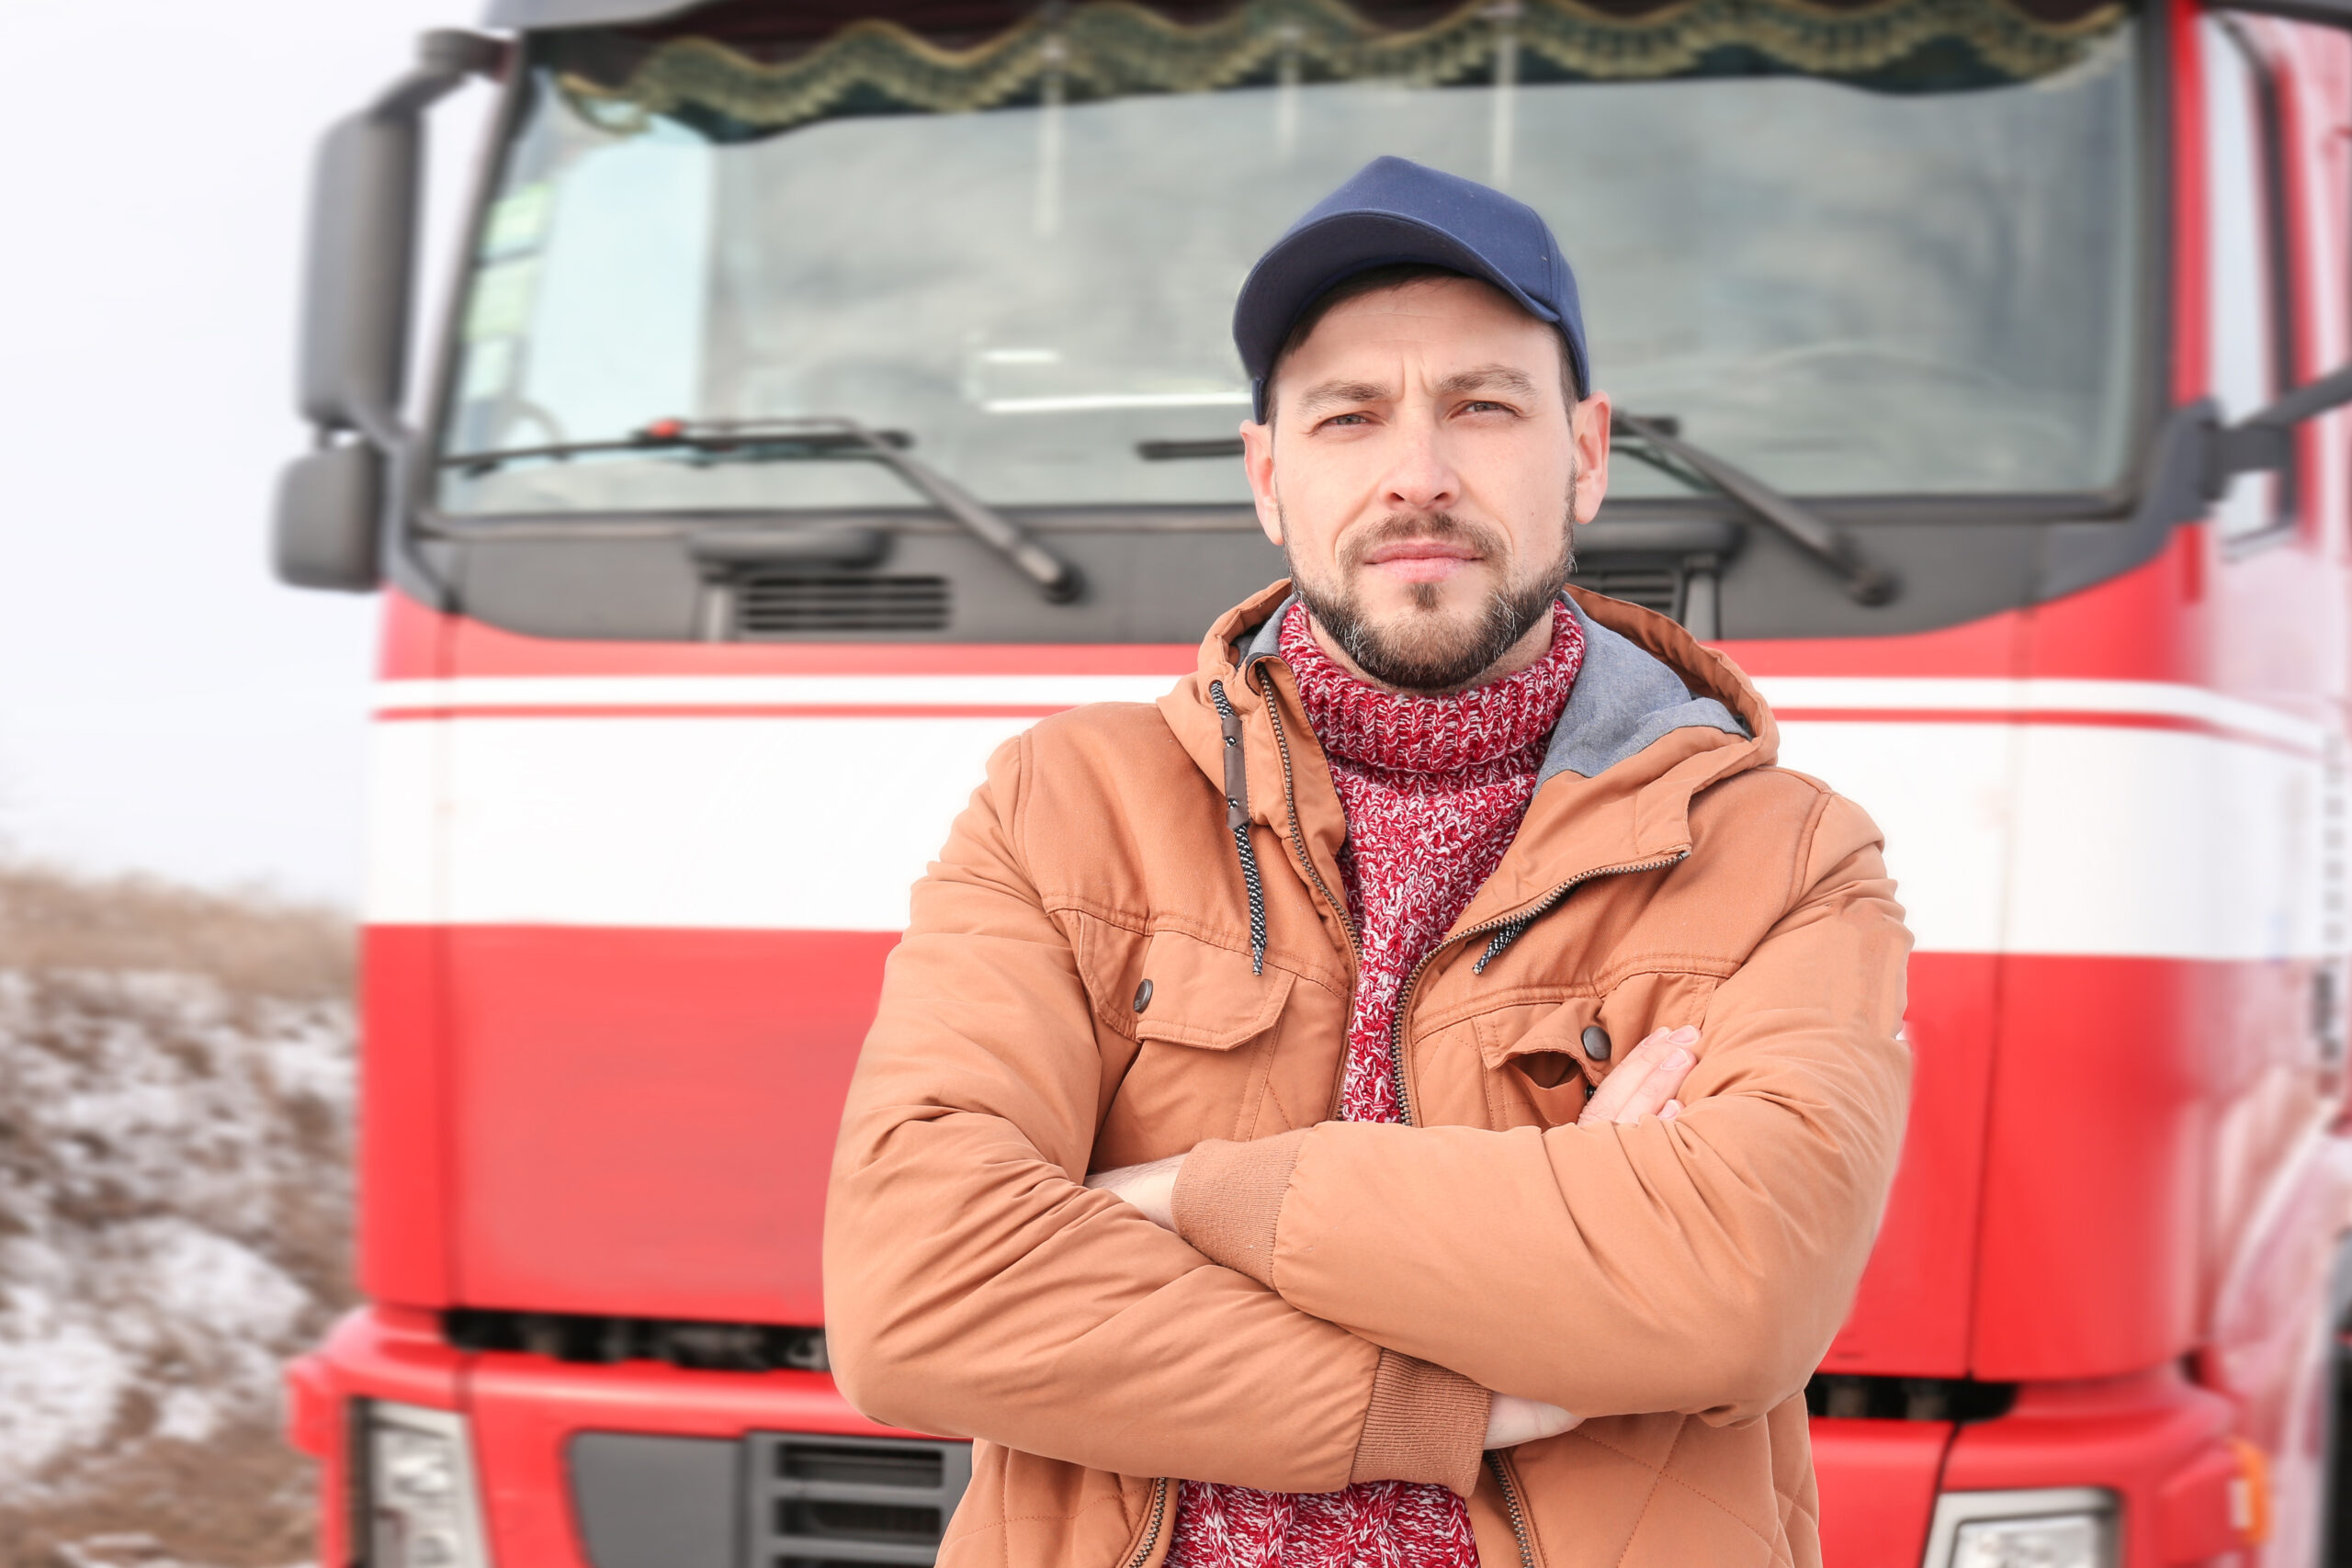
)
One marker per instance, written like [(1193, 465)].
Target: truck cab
[(833, 389)]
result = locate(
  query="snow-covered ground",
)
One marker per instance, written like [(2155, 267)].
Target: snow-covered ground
[(174, 1099)]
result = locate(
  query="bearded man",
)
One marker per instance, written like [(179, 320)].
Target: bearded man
[(1422, 1092)]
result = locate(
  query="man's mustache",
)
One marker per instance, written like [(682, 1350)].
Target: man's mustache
[(1436, 527)]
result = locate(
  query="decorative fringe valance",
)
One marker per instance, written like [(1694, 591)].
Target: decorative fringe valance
[(1102, 49)]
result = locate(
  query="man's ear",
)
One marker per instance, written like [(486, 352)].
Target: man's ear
[(1588, 428), (1258, 462)]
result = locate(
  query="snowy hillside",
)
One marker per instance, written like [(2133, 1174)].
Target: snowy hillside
[(175, 1093)]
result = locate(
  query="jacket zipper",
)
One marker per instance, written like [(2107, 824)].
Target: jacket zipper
[(1501, 1467), (1151, 1525), (1298, 834), (1541, 907), (1307, 864), (1494, 1462)]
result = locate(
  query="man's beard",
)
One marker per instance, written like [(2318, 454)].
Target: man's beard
[(1422, 649)]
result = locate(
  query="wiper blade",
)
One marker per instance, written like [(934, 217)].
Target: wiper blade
[(750, 439), (1167, 451), (1814, 534), (1810, 531), (784, 440), (1055, 577)]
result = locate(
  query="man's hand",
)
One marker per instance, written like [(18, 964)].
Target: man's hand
[(1644, 1084), (1512, 1421), (1150, 1188)]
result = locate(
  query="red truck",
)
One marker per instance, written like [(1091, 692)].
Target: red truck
[(834, 387)]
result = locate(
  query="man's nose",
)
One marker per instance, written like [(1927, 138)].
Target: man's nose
[(1420, 477)]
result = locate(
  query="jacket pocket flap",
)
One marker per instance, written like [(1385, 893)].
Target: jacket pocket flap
[(1204, 995), (1638, 1004), (1557, 1030)]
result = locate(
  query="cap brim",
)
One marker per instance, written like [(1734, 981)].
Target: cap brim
[(1311, 259)]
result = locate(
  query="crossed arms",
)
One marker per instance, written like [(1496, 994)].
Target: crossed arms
[(976, 1286), (1644, 1085)]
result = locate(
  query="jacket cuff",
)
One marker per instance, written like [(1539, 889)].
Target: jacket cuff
[(1426, 1424), (1228, 1200)]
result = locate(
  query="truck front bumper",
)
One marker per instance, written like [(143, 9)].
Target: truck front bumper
[(643, 1465), (636, 1465)]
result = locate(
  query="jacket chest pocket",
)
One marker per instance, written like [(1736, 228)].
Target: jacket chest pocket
[(1192, 993), (1544, 1059), (1206, 1035)]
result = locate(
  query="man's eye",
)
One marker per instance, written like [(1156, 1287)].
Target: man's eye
[(1345, 418), (1482, 405)]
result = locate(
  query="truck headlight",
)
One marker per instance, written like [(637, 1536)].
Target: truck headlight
[(2070, 1526), (422, 1510)]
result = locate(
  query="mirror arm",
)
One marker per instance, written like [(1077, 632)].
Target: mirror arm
[(2331, 390), (2264, 439), (445, 58), (2325, 13)]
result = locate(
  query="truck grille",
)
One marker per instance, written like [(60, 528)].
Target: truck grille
[(769, 1500), (1656, 587), (575, 1337), (1854, 1396), (773, 604), (818, 1501)]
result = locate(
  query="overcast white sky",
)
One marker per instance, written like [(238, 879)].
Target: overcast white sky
[(164, 705)]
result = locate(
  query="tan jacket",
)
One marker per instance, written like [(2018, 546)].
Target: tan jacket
[(1342, 1293)]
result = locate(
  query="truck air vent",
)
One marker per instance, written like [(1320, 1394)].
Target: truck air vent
[(821, 1501), (1656, 587), (775, 604), (580, 1336), (1908, 1399)]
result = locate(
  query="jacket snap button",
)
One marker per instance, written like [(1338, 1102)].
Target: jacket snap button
[(1143, 995), (1596, 1039)]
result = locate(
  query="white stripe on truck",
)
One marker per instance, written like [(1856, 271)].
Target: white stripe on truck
[(2038, 836)]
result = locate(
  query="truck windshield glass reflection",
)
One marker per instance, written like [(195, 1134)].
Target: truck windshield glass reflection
[(1017, 251)]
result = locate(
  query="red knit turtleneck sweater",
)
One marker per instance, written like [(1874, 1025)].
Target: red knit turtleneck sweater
[(1433, 788)]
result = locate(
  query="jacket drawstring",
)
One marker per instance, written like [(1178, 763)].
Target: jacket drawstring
[(1500, 940), (1236, 819)]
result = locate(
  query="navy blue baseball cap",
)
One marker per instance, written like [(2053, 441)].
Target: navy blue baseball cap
[(1393, 212)]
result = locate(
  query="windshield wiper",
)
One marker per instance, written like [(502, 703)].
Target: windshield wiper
[(1810, 531), (1817, 536), (787, 440), (1167, 451), (761, 439)]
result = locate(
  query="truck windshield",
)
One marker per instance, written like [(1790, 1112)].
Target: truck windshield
[(1881, 251)]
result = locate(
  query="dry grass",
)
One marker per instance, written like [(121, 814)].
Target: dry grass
[(253, 943), (240, 1497), (85, 960)]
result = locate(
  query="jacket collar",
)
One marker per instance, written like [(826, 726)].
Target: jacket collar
[(1655, 718), (1625, 698)]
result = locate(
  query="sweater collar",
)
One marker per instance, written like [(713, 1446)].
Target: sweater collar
[(1627, 694), (1402, 732)]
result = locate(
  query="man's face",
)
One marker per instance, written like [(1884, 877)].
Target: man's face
[(1421, 470)]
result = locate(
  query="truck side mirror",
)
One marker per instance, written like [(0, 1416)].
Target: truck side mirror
[(357, 277), (330, 519), (2264, 439)]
